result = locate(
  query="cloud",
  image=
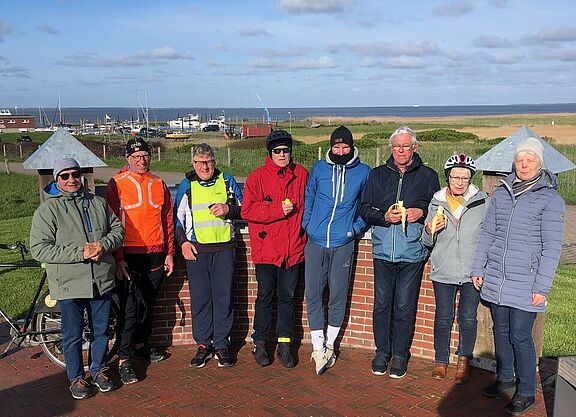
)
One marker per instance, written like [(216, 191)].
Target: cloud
[(253, 32), (501, 4), (280, 53), (48, 29), (503, 58), (13, 71), (410, 48), (560, 54), (552, 34), (142, 58), (304, 64), (491, 42), (322, 62), (5, 29), (406, 62), (314, 6), (453, 9)]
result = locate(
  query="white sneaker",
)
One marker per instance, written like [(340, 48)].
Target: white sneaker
[(331, 355), (321, 360)]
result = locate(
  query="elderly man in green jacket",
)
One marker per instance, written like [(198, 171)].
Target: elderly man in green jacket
[(74, 233)]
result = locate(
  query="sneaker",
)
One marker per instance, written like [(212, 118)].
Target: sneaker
[(379, 364), (398, 368), (498, 389), (519, 405), (284, 355), (224, 359), (260, 355), (320, 360), (102, 382), (151, 353), (127, 374), (79, 389), (331, 354), (203, 354)]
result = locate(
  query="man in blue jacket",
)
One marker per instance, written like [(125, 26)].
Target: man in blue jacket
[(332, 222), (397, 249)]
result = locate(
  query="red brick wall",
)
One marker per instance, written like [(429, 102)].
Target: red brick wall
[(173, 324)]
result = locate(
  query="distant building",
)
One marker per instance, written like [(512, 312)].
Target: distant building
[(16, 122)]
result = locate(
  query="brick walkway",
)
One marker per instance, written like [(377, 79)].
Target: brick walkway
[(30, 385)]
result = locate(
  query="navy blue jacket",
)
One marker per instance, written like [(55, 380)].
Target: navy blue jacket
[(386, 186)]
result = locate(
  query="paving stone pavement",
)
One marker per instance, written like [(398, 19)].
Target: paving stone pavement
[(30, 385)]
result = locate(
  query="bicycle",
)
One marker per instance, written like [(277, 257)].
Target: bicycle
[(42, 324)]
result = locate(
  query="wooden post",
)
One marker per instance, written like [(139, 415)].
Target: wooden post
[(229, 157), (104, 151), (4, 149), (159, 156), (191, 155), (21, 155), (377, 157), (319, 153), (7, 166)]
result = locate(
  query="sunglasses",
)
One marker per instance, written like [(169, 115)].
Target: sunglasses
[(278, 151), (66, 175)]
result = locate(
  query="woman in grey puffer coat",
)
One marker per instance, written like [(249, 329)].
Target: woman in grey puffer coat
[(452, 247), (514, 265)]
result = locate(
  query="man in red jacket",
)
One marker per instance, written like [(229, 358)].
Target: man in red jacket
[(273, 205)]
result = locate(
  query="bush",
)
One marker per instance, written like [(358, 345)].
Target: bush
[(445, 135)]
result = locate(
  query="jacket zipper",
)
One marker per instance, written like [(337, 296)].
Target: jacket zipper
[(333, 208), (398, 192), (87, 240), (506, 245)]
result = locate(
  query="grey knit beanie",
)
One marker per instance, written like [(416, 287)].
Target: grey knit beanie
[(65, 163), (533, 146)]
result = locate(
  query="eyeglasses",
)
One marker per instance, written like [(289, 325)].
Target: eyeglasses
[(205, 163), (66, 175), (139, 158), (403, 147), (278, 151), (458, 179)]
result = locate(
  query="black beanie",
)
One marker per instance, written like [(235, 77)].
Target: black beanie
[(135, 145), (342, 135)]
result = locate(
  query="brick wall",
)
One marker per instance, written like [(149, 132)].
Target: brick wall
[(173, 323)]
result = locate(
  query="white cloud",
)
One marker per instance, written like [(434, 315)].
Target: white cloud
[(501, 4), (503, 58), (492, 42), (552, 34), (305, 64), (407, 62), (409, 48), (560, 54), (48, 29), (280, 53), (453, 9), (12, 71), (253, 32), (321, 62), (314, 6), (142, 58), (5, 28)]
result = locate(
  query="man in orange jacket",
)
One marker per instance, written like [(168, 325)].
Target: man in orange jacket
[(143, 203)]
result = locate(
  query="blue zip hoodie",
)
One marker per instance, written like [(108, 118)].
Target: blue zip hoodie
[(331, 217)]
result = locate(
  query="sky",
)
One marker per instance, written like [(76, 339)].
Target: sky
[(292, 53)]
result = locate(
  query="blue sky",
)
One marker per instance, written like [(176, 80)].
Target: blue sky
[(294, 53)]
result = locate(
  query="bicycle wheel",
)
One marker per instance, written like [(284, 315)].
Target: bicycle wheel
[(49, 324)]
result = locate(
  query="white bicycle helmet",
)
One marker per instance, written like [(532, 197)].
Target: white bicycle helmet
[(460, 160)]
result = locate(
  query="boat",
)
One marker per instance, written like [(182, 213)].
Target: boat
[(190, 122), (178, 135)]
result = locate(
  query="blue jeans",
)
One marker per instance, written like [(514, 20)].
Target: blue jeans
[(98, 310), (514, 346), (396, 289), (210, 280), (282, 282), (445, 296)]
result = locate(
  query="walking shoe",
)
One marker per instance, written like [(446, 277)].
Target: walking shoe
[(284, 355), (398, 368), (498, 389), (331, 355), (202, 355), (462, 370), (224, 359), (102, 382), (151, 353), (379, 364), (260, 355), (519, 405), (320, 360), (127, 374), (79, 389), (439, 371)]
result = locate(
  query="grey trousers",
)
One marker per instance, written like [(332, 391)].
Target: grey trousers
[(332, 266)]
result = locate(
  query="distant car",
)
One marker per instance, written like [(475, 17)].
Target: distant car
[(211, 128), (24, 138)]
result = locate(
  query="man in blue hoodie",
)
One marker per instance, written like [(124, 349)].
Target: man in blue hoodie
[(332, 222)]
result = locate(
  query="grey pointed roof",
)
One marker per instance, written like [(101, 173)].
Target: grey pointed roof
[(501, 156), (59, 145)]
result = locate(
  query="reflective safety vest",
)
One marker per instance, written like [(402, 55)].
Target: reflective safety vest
[(141, 201), (207, 227)]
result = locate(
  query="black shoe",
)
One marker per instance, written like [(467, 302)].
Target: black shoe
[(260, 355), (150, 353), (202, 355), (398, 368), (102, 382), (284, 355), (519, 405), (379, 364), (80, 389), (224, 359), (498, 389), (127, 374)]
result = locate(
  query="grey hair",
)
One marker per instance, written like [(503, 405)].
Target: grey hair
[(403, 130), (203, 149)]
